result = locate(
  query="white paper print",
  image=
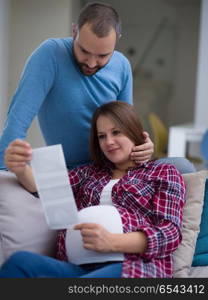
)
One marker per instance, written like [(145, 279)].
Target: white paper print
[(52, 181)]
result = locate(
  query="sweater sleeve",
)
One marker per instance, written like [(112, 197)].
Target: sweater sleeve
[(35, 82), (126, 92)]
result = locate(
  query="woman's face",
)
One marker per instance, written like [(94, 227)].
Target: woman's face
[(116, 146)]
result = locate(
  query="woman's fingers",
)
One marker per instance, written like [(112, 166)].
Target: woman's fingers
[(17, 154)]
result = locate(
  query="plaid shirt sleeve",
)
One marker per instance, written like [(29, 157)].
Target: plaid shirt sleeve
[(76, 177), (168, 202), (164, 234)]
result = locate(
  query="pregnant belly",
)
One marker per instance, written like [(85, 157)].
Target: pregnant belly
[(105, 215)]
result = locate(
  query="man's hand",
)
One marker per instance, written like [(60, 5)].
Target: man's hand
[(95, 237), (143, 153)]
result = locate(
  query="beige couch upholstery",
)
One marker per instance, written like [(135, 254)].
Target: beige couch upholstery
[(22, 222), (23, 226)]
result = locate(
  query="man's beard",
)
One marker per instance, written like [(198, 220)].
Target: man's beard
[(86, 70)]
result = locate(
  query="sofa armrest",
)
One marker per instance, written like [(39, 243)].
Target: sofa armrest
[(22, 221)]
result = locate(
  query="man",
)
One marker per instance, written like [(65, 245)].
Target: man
[(66, 79)]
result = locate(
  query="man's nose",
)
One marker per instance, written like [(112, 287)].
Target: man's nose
[(92, 62)]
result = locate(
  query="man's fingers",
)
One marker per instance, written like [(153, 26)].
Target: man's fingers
[(143, 147), (141, 155), (145, 134)]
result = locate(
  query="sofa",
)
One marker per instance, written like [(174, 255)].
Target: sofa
[(23, 225)]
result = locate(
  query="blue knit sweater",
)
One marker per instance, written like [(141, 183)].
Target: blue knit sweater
[(53, 88)]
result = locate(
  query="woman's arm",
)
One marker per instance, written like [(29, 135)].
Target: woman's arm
[(132, 242), (156, 239), (164, 231), (16, 158)]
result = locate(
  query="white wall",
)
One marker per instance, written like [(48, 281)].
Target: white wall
[(4, 57), (182, 102), (31, 23), (201, 102)]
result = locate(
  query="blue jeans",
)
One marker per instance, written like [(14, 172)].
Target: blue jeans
[(25, 264)]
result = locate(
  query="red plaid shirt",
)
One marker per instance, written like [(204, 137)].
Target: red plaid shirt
[(149, 198)]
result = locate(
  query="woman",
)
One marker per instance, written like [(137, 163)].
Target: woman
[(148, 197)]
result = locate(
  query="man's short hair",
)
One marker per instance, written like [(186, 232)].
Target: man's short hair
[(102, 17)]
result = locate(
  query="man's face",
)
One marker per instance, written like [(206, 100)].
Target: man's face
[(91, 52)]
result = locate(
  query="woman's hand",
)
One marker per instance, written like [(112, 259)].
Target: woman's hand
[(95, 237), (17, 155), (16, 158), (144, 152)]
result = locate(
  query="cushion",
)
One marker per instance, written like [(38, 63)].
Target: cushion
[(201, 250), (22, 222), (199, 272), (183, 256)]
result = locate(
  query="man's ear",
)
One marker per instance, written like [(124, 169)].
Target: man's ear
[(74, 30)]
